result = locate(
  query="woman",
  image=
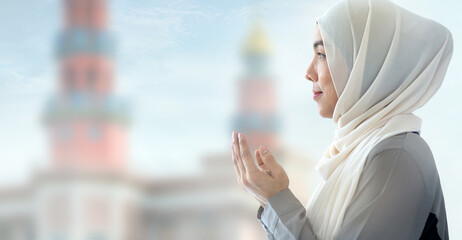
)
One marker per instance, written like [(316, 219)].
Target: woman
[(375, 63)]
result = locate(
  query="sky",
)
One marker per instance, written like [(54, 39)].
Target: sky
[(178, 63)]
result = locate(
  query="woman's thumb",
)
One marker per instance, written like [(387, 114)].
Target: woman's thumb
[(266, 156), (258, 157)]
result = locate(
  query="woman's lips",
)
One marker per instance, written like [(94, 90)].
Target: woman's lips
[(316, 94)]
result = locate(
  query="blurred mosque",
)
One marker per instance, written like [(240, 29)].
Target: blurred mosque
[(88, 193)]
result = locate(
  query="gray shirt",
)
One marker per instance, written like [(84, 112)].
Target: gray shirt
[(398, 196)]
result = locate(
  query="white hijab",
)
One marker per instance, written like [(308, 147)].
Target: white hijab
[(385, 63)]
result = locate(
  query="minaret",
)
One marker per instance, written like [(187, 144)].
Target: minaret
[(86, 122), (257, 105)]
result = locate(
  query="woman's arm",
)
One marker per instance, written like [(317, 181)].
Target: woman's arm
[(390, 203), (284, 218)]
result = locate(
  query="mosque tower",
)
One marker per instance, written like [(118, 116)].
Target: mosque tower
[(257, 114), (86, 122)]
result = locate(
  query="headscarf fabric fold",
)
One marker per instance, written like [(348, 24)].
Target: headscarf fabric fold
[(385, 63)]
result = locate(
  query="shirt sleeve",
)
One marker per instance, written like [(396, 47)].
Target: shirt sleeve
[(390, 203), (284, 217)]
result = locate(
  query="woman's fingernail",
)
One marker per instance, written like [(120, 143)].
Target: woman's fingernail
[(239, 137), (263, 149), (232, 137)]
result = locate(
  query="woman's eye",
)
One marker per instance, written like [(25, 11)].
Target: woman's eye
[(320, 56)]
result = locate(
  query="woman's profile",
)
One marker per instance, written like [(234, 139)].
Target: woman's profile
[(374, 64)]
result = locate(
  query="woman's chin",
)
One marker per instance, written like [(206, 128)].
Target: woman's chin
[(323, 113)]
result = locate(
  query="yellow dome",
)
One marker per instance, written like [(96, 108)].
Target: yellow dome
[(257, 42)]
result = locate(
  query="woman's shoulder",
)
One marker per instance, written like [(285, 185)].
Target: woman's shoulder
[(408, 150), (411, 142)]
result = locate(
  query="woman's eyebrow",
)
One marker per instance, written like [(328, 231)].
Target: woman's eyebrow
[(318, 43)]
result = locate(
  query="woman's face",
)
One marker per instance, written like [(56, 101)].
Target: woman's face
[(318, 72)]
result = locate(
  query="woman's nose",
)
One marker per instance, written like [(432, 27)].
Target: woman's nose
[(309, 76), (310, 73)]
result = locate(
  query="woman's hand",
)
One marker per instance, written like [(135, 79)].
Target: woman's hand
[(263, 181)]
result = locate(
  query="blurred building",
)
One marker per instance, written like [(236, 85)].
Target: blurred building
[(257, 114), (87, 191)]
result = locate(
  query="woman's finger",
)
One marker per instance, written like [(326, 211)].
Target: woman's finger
[(246, 157), (237, 156), (258, 157), (235, 162), (267, 158), (234, 159)]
